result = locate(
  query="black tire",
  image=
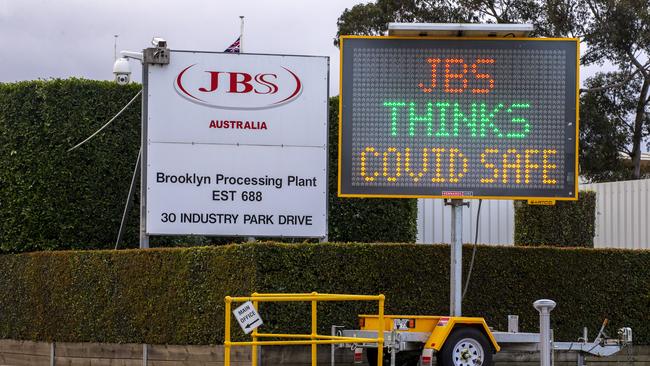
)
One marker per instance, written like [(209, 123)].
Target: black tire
[(404, 358), (466, 346)]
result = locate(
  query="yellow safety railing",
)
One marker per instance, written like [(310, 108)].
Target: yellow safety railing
[(313, 339)]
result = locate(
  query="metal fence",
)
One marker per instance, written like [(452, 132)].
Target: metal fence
[(496, 222), (622, 214), (622, 218)]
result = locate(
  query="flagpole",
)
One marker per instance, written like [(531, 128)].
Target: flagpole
[(241, 35)]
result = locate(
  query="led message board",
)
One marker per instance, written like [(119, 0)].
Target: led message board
[(458, 118)]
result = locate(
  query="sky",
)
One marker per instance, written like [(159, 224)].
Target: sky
[(42, 39)]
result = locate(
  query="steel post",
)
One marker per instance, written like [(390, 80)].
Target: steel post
[(456, 260), (513, 323), (254, 349), (145, 354), (144, 238), (226, 337), (314, 331), (333, 347), (544, 307)]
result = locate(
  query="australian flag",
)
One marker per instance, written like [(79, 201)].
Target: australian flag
[(234, 48)]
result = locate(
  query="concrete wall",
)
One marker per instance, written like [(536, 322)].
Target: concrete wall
[(25, 353)]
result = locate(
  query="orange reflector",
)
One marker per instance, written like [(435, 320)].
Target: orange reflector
[(427, 356), (358, 355), (411, 323)]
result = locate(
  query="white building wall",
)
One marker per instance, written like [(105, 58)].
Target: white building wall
[(622, 218)]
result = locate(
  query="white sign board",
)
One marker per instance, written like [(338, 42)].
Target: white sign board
[(237, 145), (247, 317)]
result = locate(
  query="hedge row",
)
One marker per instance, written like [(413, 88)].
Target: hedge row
[(175, 296), (49, 197), (566, 224), (54, 199)]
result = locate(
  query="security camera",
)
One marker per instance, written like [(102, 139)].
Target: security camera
[(122, 71), (159, 42)]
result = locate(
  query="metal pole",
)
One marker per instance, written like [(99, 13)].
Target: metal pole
[(456, 260), (226, 337), (254, 349), (129, 199), (333, 347), (581, 356), (544, 307), (314, 331), (380, 332), (52, 354), (144, 238), (393, 349), (241, 34), (145, 354), (115, 46)]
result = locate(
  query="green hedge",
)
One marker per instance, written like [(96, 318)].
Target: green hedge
[(51, 198), (566, 224), (54, 199), (175, 296)]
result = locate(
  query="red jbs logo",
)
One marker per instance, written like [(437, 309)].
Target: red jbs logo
[(245, 89), (241, 82)]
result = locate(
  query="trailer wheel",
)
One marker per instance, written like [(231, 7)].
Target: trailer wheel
[(465, 347), (404, 358)]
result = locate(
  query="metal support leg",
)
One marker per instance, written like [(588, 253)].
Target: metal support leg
[(456, 260), (334, 346), (585, 339), (393, 350), (544, 307)]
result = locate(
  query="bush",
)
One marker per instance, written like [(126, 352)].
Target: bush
[(175, 296), (54, 199), (567, 224)]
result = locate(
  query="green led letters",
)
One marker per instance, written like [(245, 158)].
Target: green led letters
[(413, 118), (480, 120)]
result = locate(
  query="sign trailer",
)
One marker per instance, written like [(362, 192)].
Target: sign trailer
[(456, 118)]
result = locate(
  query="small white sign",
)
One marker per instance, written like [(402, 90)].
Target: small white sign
[(247, 317)]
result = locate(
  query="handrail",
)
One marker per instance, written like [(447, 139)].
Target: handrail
[(313, 339)]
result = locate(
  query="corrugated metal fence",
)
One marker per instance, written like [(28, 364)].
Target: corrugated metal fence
[(622, 218), (622, 214), (496, 222)]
